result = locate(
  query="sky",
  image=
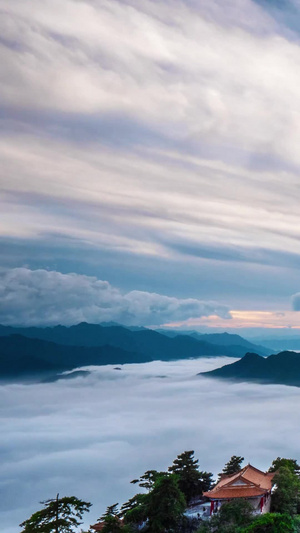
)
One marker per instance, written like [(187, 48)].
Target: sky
[(150, 163), (114, 425)]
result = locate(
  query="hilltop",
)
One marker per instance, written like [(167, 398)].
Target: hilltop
[(282, 368)]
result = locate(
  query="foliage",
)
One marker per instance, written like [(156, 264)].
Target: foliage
[(110, 519), (162, 508), (238, 512), (148, 479), (60, 515), (112, 524), (135, 511), (192, 482), (168, 493), (286, 494), (288, 463), (233, 466), (297, 523), (166, 505), (111, 510), (271, 523), (231, 517)]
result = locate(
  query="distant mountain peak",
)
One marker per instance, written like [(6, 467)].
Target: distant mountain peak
[(252, 357)]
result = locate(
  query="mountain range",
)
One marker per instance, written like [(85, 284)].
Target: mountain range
[(281, 344), (34, 351), (281, 368), (220, 339), (23, 356)]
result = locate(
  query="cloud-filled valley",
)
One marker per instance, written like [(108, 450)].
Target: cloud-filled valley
[(93, 435)]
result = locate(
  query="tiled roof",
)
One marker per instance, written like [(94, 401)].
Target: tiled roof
[(246, 483), (235, 492), (226, 479)]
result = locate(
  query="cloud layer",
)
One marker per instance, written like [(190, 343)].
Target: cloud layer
[(189, 73), (41, 297), (93, 435), (160, 133)]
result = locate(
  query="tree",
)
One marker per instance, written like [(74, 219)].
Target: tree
[(192, 482), (271, 523), (233, 466), (286, 494), (288, 463), (166, 505), (206, 481), (232, 516), (111, 510), (111, 524), (237, 512), (110, 520), (147, 480), (162, 508), (135, 511), (60, 515)]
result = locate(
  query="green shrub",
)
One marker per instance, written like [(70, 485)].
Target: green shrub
[(272, 523)]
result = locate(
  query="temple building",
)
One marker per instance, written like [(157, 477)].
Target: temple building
[(249, 483)]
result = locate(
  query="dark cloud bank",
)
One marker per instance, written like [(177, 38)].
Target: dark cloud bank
[(41, 297), (93, 435)]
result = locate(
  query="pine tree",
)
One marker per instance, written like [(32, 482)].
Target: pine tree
[(192, 482), (135, 511), (60, 515), (111, 510), (147, 480), (233, 466), (166, 506), (291, 464), (110, 520)]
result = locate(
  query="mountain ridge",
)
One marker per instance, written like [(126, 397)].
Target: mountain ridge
[(25, 351), (151, 342), (282, 368), (22, 356)]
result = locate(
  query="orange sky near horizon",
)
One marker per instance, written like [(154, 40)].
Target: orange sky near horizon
[(245, 319)]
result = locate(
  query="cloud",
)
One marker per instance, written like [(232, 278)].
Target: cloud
[(239, 254), (41, 297), (249, 322), (167, 132), (139, 203), (92, 436), (190, 72), (296, 301)]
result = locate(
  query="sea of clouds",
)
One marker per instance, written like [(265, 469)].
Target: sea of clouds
[(91, 436)]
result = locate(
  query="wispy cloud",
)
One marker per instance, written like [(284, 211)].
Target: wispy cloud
[(247, 320), (160, 131), (190, 72)]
